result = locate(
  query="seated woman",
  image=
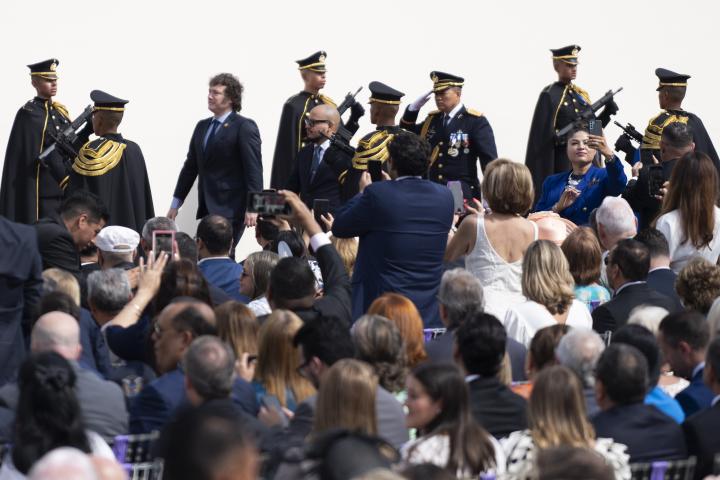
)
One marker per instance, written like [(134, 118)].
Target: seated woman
[(438, 406), (255, 279), (403, 313), (494, 243), (541, 354), (379, 343), (548, 286), (576, 193), (584, 255)]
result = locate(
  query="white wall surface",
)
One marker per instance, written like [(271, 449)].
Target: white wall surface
[(160, 55)]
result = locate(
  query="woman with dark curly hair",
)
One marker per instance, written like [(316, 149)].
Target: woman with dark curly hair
[(698, 285), (378, 342), (48, 416)]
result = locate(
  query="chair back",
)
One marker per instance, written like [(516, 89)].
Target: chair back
[(664, 470)]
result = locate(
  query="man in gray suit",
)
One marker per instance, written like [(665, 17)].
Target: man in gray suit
[(102, 402)]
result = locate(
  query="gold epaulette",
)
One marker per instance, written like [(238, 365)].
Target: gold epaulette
[(656, 125), (98, 157), (64, 182), (342, 177), (62, 109), (327, 100), (473, 112), (583, 93), (426, 123), (372, 147), (434, 112)]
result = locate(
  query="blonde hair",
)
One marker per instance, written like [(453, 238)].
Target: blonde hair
[(546, 277), (56, 280), (278, 359), (347, 398), (508, 187), (238, 327), (347, 248), (556, 411)]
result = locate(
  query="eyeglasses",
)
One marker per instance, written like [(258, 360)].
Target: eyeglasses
[(311, 123)]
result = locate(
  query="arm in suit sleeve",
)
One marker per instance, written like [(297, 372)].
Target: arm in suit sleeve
[(545, 203), (148, 411), (602, 320), (356, 217), (249, 144), (616, 180), (189, 170), (337, 289), (484, 140)]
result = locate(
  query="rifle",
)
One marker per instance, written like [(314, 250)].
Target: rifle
[(587, 114), (341, 143), (64, 139), (630, 131), (348, 101)]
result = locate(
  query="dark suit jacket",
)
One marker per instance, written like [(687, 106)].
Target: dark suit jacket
[(701, 435), (223, 273), (440, 350), (496, 407), (695, 396), (326, 183), (156, 404), (20, 289), (403, 227), (229, 169), (648, 433), (614, 314), (663, 280), (57, 247), (95, 354)]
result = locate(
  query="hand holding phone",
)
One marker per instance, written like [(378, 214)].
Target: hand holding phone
[(321, 206), (163, 241), (375, 169)]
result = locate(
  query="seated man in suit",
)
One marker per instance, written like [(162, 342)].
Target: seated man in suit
[(214, 240), (701, 430), (579, 350), (660, 277), (403, 227), (621, 386), (460, 294), (102, 402), (627, 268), (683, 339), (480, 348), (320, 164), (176, 327)]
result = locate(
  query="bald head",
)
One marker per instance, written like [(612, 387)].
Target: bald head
[(327, 112), (57, 332)]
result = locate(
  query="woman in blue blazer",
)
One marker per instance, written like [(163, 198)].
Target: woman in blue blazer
[(574, 194)]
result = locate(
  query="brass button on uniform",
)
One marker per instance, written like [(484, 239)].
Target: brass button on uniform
[(440, 165), (440, 177), (440, 155)]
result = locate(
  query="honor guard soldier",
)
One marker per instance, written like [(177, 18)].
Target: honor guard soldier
[(30, 190), (459, 136), (559, 104), (112, 167), (671, 92), (384, 105)]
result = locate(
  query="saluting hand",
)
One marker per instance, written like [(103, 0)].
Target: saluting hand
[(421, 100)]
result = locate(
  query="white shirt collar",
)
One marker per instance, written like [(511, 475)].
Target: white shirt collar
[(622, 287), (658, 268), (454, 111), (223, 117), (324, 146), (471, 378), (697, 368), (715, 400), (224, 257), (407, 176)]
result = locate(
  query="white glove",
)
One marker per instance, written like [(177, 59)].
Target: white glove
[(422, 100)]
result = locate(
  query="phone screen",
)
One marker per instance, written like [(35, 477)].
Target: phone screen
[(595, 127), (375, 169), (656, 178), (321, 206), (163, 241), (267, 203)]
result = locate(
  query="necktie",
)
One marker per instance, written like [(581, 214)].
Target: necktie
[(317, 155), (213, 128), (446, 120)]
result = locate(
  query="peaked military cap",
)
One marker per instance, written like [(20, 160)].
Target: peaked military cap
[(567, 54), (443, 81), (381, 93), (105, 101), (315, 62), (668, 78), (45, 69)]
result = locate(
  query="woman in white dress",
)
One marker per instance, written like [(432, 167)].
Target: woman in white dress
[(548, 286), (494, 243), (690, 218)]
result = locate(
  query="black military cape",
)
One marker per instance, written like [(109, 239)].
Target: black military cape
[(113, 168)]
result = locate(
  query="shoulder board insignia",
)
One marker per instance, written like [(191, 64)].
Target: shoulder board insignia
[(62, 109), (434, 112), (583, 93), (372, 147), (327, 100), (98, 157), (473, 112)]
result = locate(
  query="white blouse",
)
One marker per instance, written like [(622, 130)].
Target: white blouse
[(522, 321), (682, 252), (435, 449)]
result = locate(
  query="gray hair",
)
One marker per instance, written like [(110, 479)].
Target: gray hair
[(115, 258), (461, 293), (108, 290), (157, 223), (616, 216), (579, 350), (209, 365), (649, 316)]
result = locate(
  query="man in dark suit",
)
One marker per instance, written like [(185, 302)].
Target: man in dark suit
[(60, 238), (403, 226), (460, 295), (621, 385), (292, 282), (683, 339), (320, 164), (214, 240), (225, 154), (701, 430), (176, 327), (627, 268), (480, 348), (20, 289), (660, 277)]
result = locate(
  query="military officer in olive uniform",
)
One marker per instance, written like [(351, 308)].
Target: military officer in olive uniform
[(671, 92), (30, 190), (384, 106), (558, 105), (459, 136)]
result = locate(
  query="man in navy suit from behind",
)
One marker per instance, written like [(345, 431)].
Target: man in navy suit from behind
[(225, 155), (660, 277), (403, 226), (214, 240)]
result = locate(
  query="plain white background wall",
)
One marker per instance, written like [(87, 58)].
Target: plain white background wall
[(160, 55)]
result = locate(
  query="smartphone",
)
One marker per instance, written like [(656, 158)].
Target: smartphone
[(321, 206), (375, 169), (163, 241), (272, 403), (267, 203), (595, 127), (656, 179), (456, 189)]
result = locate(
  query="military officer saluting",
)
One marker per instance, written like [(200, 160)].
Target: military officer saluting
[(671, 93), (384, 106), (459, 136)]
